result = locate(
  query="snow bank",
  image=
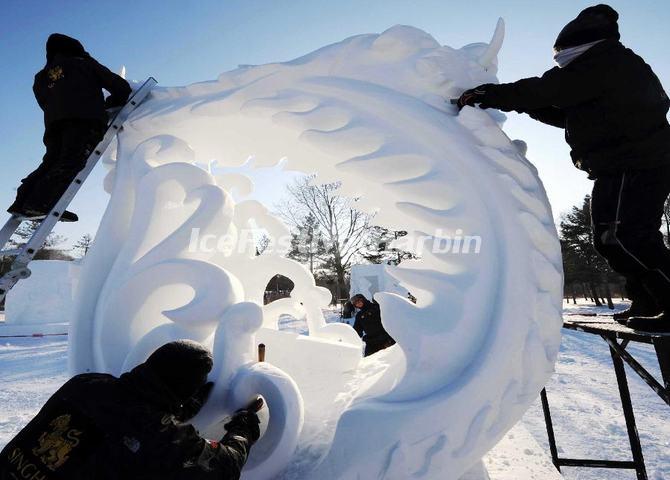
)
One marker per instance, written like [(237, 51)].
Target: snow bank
[(172, 260), (45, 297)]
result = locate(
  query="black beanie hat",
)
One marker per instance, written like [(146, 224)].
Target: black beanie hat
[(182, 366), (592, 24), (59, 43)]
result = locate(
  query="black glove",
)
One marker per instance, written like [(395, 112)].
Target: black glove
[(474, 96), (192, 406), (114, 101), (246, 424)]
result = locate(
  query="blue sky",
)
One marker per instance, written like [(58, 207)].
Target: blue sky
[(181, 42)]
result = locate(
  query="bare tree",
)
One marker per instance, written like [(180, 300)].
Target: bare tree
[(343, 228), (262, 244), (84, 244)]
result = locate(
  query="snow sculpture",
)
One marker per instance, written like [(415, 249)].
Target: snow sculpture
[(46, 297), (370, 279), (472, 353)]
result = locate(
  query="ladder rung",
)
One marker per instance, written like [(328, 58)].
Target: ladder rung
[(21, 272)]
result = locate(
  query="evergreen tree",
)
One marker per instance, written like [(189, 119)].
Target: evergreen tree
[(581, 263), (379, 250), (49, 250), (308, 245)]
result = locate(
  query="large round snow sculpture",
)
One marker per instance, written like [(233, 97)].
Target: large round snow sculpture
[(472, 353)]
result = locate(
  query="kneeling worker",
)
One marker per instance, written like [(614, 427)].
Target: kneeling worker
[(97, 426)]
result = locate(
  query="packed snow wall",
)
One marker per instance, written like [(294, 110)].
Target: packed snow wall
[(368, 279), (46, 297), (369, 112)]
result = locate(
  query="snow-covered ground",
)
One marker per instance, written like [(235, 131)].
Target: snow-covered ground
[(586, 410), (31, 369), (583, 397)]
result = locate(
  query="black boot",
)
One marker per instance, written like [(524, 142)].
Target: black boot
[(642, 304), (656, 324), (659, 287), (637, 309), (69, 216), (15, 207), (26, 213), (39, 214)]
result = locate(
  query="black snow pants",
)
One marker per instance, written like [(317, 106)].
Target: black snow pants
[(626, 214), (68, 145)]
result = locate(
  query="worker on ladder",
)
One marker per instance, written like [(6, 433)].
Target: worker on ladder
[(69, 91)]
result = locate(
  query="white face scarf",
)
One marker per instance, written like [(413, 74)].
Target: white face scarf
[(564, 57)]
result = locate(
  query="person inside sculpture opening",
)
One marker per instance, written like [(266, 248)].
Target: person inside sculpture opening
[(368, 325), (97, 426), (69, 91), (614, 112)]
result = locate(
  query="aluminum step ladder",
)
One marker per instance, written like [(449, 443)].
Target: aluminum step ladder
[(25, 253)]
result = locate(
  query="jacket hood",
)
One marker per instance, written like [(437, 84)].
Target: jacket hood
[(64, 45), (172, 374), (144, 383), (366, 303)]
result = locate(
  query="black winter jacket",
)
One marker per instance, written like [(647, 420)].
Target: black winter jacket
[(100, 427), (71, 87), (368, 325), (610, 103)]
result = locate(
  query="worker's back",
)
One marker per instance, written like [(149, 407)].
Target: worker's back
[(100, 427), (70, 85), (624, 125), (96, 427)]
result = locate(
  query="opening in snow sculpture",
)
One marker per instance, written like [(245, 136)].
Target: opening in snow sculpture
[(472, 353)]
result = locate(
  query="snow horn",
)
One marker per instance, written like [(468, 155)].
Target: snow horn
[(495, 45)]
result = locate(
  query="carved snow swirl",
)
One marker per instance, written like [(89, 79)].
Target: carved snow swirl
[(369, 112)]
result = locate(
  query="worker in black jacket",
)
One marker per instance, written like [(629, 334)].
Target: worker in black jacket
[(69, 91), (368, 325), (613, 109), (100, 427)]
